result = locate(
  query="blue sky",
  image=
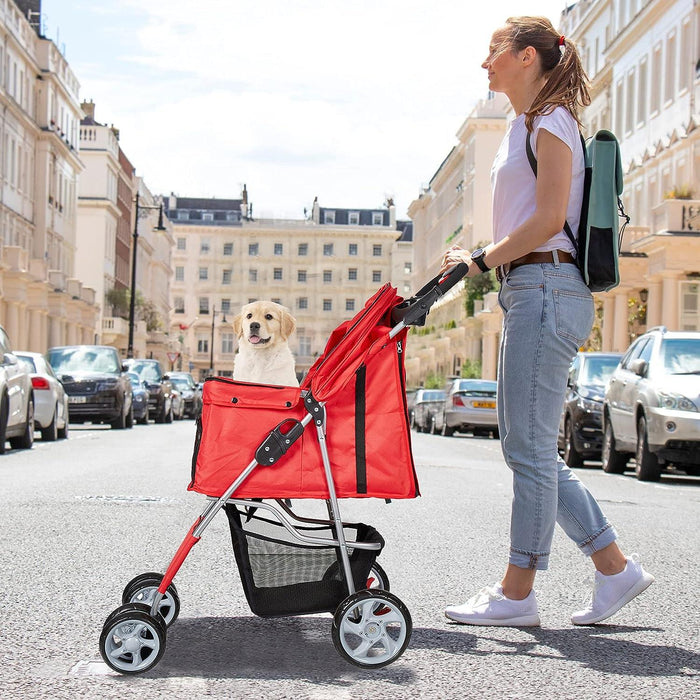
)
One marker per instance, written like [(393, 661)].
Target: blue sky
[(350, 102)]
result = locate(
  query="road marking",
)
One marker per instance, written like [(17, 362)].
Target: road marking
[(92, 668)]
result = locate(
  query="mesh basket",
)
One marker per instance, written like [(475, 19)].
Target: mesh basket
[(282, 576)]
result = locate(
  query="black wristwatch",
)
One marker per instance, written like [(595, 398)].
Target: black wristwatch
[(478, 257)]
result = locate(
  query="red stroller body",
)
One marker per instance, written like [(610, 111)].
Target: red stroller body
[(253, 453)]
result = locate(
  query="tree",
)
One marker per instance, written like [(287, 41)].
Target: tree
[(145, 309)]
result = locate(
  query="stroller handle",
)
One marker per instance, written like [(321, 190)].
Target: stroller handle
[(413, 311)]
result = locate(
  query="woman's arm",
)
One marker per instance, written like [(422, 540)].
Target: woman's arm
[(552, 199)]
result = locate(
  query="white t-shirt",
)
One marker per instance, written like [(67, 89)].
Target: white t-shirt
[(513, 182)]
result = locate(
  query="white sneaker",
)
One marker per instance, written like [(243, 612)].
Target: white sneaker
[(610, 593), (490, 607)]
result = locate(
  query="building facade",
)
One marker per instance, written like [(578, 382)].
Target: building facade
[(43, 301), (322, 268), (642, 57)]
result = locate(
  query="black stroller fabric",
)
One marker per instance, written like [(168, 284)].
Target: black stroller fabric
[(282, 576)]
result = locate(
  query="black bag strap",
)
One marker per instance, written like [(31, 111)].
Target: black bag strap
[(533, 164)]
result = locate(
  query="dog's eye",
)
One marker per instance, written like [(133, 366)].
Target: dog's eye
[(268, 317), (249, 315)]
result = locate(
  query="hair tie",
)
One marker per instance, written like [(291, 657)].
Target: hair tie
[(561, 40)]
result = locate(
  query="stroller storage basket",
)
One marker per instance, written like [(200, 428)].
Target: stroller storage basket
[(282, 576)]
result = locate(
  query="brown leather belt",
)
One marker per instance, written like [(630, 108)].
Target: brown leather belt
[(533, 258)]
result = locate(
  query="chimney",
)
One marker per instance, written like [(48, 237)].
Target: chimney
[(244, 203)]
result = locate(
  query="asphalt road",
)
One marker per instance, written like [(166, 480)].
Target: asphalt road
[(81, 517)]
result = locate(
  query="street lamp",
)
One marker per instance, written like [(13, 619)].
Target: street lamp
[(132, 299), (211, 348)]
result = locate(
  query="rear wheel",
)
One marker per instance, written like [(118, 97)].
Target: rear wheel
[(647, 467), (572, 456), (120, 422), (130, 417), (26, 439), (377, 578), (63, 432), (143, 588), (614, 462), (50, 432), (446, 430), (4, 413)]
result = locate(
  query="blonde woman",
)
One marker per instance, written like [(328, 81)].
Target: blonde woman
[(548, 314)]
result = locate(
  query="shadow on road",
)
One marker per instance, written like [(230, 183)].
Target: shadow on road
[(592, 647)]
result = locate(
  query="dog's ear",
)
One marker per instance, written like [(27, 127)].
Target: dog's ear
[(287, 324), (237, 323)]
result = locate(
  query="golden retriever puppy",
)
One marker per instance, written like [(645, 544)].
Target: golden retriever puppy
[(263, 356)]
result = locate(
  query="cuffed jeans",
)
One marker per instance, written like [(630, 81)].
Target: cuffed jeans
[(548, 314)]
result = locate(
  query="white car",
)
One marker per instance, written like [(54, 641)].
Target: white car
[(50, 399), (16, 400)]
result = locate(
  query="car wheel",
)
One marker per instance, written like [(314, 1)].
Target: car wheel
[(614, 462), (4, 412), (26, 440), (144, 419), (50, 432), (647, 467), (120, 422), (446, 430), (495, 434), (169, 414), (63, 432), (572, 456), (130, 417)]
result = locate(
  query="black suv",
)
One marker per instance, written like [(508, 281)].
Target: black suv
[(581, 427), (160, 390), (94, 379)]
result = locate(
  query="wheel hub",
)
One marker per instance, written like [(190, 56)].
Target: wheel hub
[(132, 644), (373, 630)]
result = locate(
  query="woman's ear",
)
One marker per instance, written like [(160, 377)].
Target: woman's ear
[(237, 325), (288, 324)]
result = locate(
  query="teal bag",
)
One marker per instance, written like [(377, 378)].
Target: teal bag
[(599, 233)]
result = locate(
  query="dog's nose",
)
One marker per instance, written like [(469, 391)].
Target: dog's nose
[(254, 327)]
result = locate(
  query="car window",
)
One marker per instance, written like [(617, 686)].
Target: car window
[(633, 352), (27, 363), (180, 382), (681, 355), (150, 371), (84, 359), (645, 352), (4, 342), (433, 395), (597, 370)]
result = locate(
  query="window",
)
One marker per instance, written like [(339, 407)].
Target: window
[(302, 303), (408, 267), (328, 217), (179, 274), (304, 345), (328, 305), (204, 245), (208, 216), (352, 249), (376, 276), (349, 304), (656, 80), (226, 276), (328, 249), (354, 218), (203, 274), (253, 249), (277, 273), (276, 300), (377, 251), (352, 274), (279, 249), (619, 107), (301, 275), (183, 215), (377, 218), (327, 276), (252, 275), (303, 249), (182, 243), (642, 93), (690, 306), (630, 103), (203, 305), (227, 343), (685, 53), (228, 248), (202, 344), (225, 306), (179, 304), (670, 77)]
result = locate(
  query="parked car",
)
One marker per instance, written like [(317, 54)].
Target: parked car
[(51, 414), (427, 403), (191, 392), (160, 390), (469, 406), (652, 406), (410, 402), (16, 399), (178, 404), (140, 398), (581, 425), (96, 383)]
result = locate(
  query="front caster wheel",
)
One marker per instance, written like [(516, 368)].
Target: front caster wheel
[(143, 588), (371, 628), (132, 641)]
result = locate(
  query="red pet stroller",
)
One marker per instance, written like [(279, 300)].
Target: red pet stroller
[(252, 456)]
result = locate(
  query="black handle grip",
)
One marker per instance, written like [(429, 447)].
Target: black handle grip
[(414, 310)]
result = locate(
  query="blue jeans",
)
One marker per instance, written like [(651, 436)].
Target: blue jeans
[(548, 314)]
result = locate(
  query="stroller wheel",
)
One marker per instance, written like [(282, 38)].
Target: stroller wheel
[(377, 578), (142, 589), (371, 628), (132, 641)]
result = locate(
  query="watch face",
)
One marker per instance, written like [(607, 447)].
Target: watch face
[(477, 253)]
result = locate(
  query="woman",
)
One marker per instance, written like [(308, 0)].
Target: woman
[(548, 314)]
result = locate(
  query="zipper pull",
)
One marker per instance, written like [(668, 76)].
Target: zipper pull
[(399, 347)]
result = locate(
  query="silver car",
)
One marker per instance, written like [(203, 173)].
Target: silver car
[(469, 406), (16, 400), (652, 406), (50, 398)]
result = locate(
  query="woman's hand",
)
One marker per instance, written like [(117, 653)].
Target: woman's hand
[(453, 256)]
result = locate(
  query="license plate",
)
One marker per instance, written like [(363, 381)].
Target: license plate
[(484, 404), (77, 399)]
